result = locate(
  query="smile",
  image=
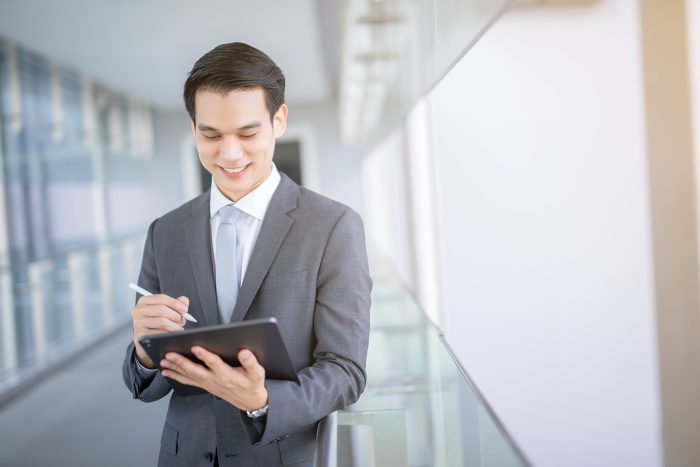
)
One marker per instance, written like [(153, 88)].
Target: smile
[(235, 170)]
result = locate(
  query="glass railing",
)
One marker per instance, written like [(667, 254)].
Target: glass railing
[(420, 408), (53, 307)]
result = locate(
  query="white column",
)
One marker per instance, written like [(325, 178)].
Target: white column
[(7, 318), (130, 267), (38, 272), (104, 261), (76, 265)]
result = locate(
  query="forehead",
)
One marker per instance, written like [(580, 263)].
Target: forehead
[(233, 109)]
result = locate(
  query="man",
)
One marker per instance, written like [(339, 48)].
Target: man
[(255, 245)]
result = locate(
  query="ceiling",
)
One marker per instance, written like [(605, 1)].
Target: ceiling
[(145, 48)]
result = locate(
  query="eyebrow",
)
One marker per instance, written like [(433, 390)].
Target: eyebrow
[(249, 126)]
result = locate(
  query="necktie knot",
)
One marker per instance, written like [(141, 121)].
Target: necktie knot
[(229, 214)]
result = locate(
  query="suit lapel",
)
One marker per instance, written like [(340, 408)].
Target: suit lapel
[(198, 234), (274, 228)]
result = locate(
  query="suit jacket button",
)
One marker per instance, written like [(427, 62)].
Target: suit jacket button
[(209, 456)]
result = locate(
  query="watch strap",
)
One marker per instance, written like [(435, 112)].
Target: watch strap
[(257, 413)]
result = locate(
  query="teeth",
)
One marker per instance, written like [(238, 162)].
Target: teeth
[(234, 171)]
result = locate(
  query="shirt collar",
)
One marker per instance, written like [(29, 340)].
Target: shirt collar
[(254, 203)]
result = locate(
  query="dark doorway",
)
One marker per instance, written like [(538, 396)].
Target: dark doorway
[(288, 159)]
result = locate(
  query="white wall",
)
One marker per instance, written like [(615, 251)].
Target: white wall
[(386, 215), (545, 233), (399, 212), (693, 27)]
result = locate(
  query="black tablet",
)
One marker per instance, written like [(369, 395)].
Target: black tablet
[(260, 336)]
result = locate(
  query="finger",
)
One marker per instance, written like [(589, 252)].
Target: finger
[(186, 301), (175, 369), (180, 378), (186, 366), (157, 310), (160, 324), (251, 365), (142, 330), (165, 300), (212, 360), (171, 366), (157, 327)]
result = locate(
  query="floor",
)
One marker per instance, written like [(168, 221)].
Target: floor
[(83, 416)]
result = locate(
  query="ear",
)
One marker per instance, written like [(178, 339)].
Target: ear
[(194, 130), (279, 122)]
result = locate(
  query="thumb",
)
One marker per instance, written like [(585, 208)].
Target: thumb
[(251, 365), (184, 300), (247, 359)]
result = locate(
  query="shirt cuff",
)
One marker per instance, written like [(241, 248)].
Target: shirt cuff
[(145, 373)]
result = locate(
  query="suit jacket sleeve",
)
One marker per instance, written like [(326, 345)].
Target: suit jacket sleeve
[(144, 386), (341, 326)]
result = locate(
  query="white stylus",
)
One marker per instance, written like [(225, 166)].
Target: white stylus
[(146, 293)]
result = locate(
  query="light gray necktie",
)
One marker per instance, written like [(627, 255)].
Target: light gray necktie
[(228, 263)]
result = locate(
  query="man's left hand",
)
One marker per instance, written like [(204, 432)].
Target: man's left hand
[(244, 386)]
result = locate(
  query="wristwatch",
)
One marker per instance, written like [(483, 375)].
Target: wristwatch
[(257, 413)]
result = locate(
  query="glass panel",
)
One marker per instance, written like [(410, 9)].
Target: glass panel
[(420, 407)]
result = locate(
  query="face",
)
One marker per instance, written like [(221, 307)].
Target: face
[(235, 138)]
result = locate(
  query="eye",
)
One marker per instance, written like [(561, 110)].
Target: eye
[(211, 138), (249, 136)]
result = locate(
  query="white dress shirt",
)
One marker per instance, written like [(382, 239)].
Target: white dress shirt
[(254, 204)]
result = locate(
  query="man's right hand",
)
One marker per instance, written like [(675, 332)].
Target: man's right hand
[(156, 314)]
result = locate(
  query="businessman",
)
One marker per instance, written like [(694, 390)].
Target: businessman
[(255, 245)]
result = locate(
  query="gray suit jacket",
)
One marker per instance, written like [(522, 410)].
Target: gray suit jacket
[(309, 270)]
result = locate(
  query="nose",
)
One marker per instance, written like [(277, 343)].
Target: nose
[(229, 149)]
